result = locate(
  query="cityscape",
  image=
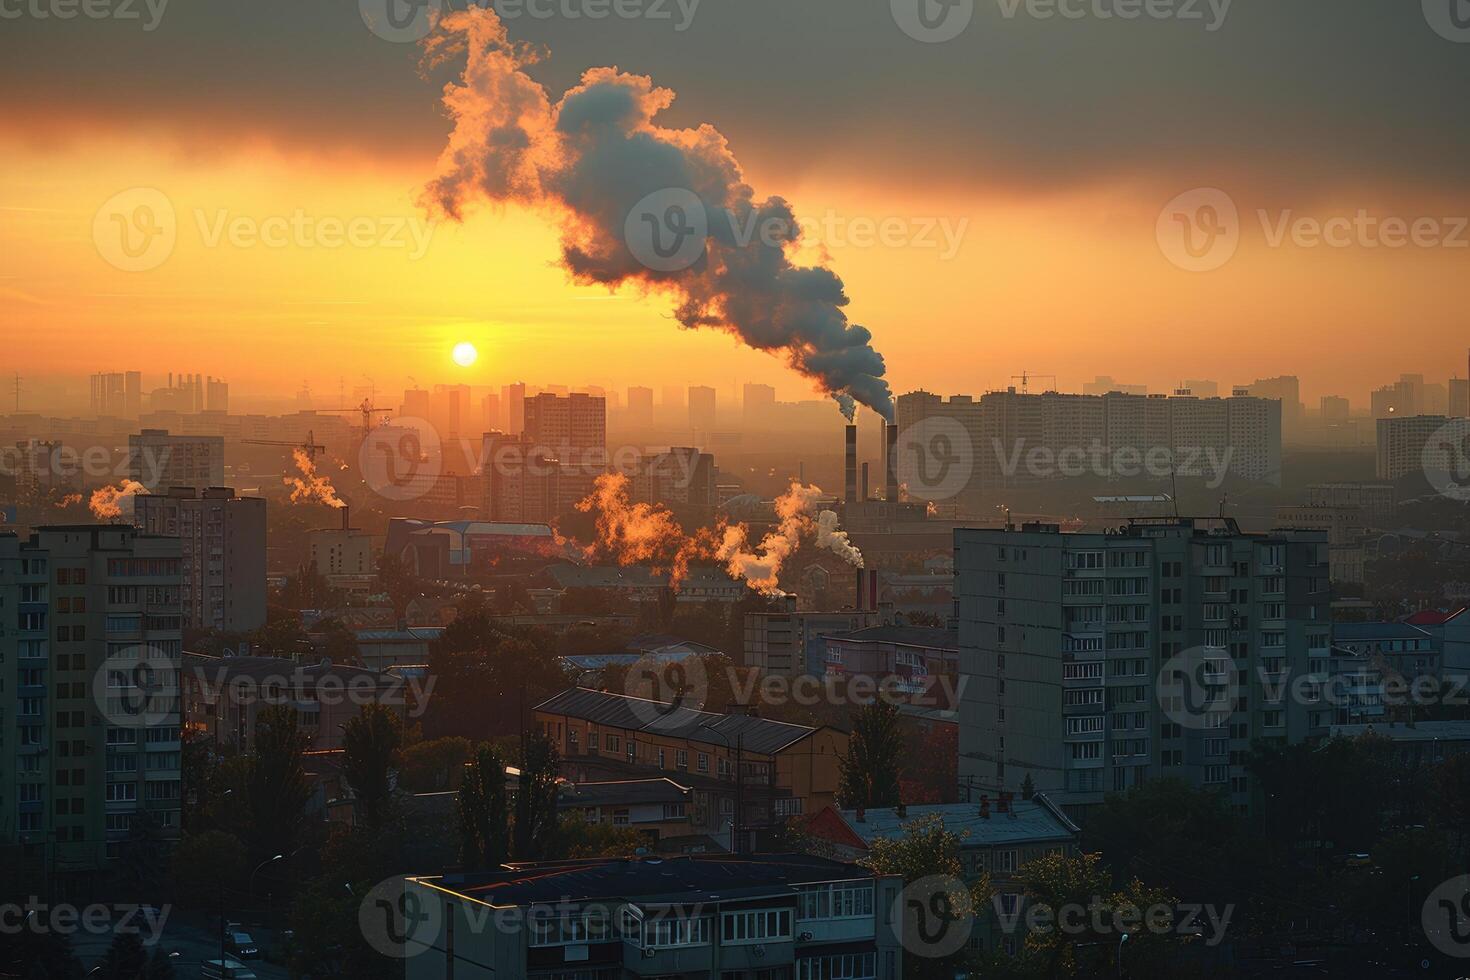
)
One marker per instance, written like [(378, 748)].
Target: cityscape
[(468, 513)]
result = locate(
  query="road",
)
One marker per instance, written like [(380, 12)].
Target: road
[(195, 942)]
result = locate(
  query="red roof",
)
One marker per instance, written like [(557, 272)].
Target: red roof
[(1433, 617)]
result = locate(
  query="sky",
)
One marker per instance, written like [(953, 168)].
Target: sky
[(1224, 191)]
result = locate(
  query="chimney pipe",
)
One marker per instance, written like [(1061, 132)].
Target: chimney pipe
[(850, 464), (890, 492), (345, 525), (865, 481)]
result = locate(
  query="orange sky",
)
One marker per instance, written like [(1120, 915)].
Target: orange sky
[(1073, 285)]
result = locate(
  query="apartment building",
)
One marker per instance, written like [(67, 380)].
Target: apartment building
[(919, 663), (1402, 442), (89, 657), (994, 839), (793, 644), (158, 459), (559, 425), (1374, 500), (1073, 643), (658, 808), (770, 917), (745, 771), (223, 539)]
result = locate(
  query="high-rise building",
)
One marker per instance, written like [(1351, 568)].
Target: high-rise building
[(1202, 388), (521, 483), (512, 403), (759, 405), (89, 660), (1103, 384), (1401, 443), (1074, 646), (157, 459), (673, 404), (223, 555), (562, 424), (1458, 398), (702, 409), (640, 408), (216, 395), (1335, 408), (1287, 390)]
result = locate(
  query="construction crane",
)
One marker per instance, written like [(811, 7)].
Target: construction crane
[(367, 410), (1025, 378), (311, 447)]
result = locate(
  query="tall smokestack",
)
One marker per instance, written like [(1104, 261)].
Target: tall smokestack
[(890, 459), (850, 464), (346, 525), (865, 481)]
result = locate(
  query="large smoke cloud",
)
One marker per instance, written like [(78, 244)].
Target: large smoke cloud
[(593, 158)]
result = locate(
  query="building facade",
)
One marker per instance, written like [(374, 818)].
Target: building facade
[(158, 459), (1072, 645), (90, 655), (223, 539)]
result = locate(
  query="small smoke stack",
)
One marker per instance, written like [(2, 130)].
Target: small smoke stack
[(890, 459), (346, 524), (865, 482), (850, 465)]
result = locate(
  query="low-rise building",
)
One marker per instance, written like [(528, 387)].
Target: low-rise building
[(770, 917), (658, 808), (793, 644), (919, 663), (747, 773)]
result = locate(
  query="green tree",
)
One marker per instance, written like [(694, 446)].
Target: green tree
[(203, 862), (125, 958), (576, 838), (276, 787), (929, 853), (870, 771), (1450, 801), (370, 744), (536, 798), (484, 812), (160, 966), (434, 765)]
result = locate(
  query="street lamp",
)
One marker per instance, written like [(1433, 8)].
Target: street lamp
[(222, 907), (1121, 940), (250, 888)]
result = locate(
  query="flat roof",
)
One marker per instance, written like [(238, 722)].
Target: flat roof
[(759, 735)]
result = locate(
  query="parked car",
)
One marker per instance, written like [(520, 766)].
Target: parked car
[(227, 969), (242, 945)]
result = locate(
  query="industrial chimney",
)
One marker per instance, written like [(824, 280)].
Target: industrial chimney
[(864, 488), (890, 460), (850, 465)]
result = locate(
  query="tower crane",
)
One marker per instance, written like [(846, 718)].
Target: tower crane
[(367, 410), (311, 447), (1025, 377)]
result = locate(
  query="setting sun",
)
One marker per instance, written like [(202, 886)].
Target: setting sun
[(465, 354)]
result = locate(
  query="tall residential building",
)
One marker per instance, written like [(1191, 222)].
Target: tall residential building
[(759, 405), (673, 403), (1457, 396), (117, 394), (1401, 442), (89, 658), (157, 459), (640, 407), (1104, 384), (1287, 390), (216, 395), (702, 411), (512, 403), (1202, 388), (563, 425), (1067, 641), (1335, 408), (521, 483), (223, 553)]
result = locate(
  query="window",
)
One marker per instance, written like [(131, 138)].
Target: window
[(1090, 695), (1004, 861), (675, 931), (591, 741), (790, 807), (840, 966), (1085, 725), (703, 762), (835, 900), (1085, 670), (757, 926), (681, 758)]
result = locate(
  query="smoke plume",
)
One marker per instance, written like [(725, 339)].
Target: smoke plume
[(311, 485), (590, 159), (70, 500), (647, 534), (836, 541), (106, 503)]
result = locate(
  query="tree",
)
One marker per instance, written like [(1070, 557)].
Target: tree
[(929, 854), (536, 798), (125, 958), (370, 743), (1450, 800), (1028, 787), (576, 838), (435, 765), (870, 771), (339, 642), (398, 583), (484, 815), (160, 966), (276, 788), (205, 861)]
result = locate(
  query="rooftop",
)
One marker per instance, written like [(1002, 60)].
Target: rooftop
[(649, 881), (1349, 632), (1423, 731), (1030, 820), (908, 636), (623, 791), (259, 669), (759, 735)]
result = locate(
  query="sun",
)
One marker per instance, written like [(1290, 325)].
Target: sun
[(465, 353)]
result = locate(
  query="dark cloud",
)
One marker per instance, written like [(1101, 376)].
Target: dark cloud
[(1296, 93)]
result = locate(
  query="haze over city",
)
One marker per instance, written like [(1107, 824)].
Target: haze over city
[(756, 489)]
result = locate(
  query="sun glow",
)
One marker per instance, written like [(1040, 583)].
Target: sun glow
[(465, 354)]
